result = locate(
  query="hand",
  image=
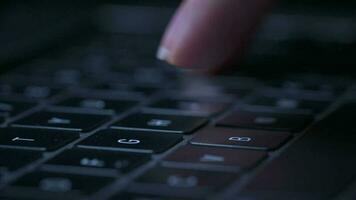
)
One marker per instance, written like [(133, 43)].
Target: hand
[(206, 35)]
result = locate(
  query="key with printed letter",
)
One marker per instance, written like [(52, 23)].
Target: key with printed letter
[(114, 105), (132, 141), (266, 120), (162, 123), (200, 157), (62, 185), (35, 139), (197, 107), (62, 121), (94, 159), (240, 138), (182, 182)]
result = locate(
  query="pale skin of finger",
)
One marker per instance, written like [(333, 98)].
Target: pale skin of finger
[(208, 34)]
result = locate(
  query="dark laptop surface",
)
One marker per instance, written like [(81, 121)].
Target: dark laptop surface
[(87, 112)]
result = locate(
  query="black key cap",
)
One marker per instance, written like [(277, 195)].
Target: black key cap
[(201, 157), (163, 123), (238, 138), (183, 182), (61, 184), (135, 141), (84, 158), (114, 105), (189, 106), (267, 120), (14, 107), (289, 103), (62, 121), (36, 139), (12, 159), (144, 90), (2, 119), (317, 166)]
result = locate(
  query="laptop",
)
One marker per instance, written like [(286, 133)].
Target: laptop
[(87, 112)]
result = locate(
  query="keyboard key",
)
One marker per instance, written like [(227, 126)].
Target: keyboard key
[(189, 106), (267, 120), (201, 157), (162, 123), (183, 182), (289, 103), (11, 159), (316, 166), (238, 138), (35, 139), (84, 158), (62, 121), (61, 184), (144, 90), (98, 104), (134, 141), (14, 107)]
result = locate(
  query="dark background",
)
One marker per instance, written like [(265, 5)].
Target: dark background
[(301, 35)]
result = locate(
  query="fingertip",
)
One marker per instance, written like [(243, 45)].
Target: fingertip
[(163, 53), (205, 34)]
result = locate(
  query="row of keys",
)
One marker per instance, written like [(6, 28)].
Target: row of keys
[(140, 141), (157, 125), (189, 155), (171, 182), (166, 123), (49, 140), (173, 122)]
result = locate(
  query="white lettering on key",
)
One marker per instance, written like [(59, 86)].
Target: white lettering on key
[(159, 122), (240, 139), (22, 139), (92, 162), (130, 141), (265, 120), (182, 182), (56, 120), (212, 158)]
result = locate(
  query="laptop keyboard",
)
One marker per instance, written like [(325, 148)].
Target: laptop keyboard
[(81, 127)]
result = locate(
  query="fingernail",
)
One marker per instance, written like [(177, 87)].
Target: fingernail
[(163, 53)]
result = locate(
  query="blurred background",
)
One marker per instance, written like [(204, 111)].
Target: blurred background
[(299, 35)]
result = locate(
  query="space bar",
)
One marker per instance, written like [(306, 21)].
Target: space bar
[(317, 166)]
